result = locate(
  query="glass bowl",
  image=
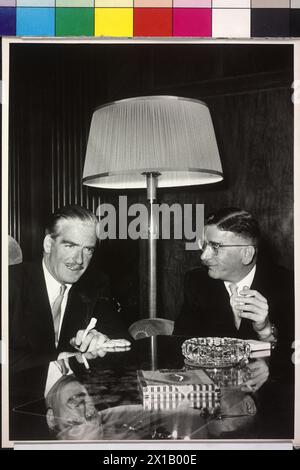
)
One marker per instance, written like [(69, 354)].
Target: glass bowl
[(215, 352)]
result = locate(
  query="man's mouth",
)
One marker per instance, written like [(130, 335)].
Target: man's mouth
[(74, 268)]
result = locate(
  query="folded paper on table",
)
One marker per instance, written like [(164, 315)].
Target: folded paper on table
[(167, 390), (256, 345), (259, 354)]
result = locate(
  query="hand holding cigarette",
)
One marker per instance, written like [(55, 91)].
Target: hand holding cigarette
[(254, 306), (90, 327), (88, 340)]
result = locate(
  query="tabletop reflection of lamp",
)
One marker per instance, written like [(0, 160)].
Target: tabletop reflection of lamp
[(152, 142)]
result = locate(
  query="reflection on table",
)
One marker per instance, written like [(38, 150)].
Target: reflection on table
[(105, 401)]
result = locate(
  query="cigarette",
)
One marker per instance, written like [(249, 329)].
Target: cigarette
[(90, 327), (85, 362)]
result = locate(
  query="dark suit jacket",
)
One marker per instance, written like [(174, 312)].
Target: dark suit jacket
[(30, 319), (206, 310)]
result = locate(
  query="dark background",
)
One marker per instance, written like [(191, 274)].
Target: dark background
[(53, 92)]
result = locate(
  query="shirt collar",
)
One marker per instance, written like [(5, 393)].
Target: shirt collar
[(245, 282), (53, 286)]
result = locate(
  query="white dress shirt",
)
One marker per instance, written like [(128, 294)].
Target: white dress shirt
[(53, 290)]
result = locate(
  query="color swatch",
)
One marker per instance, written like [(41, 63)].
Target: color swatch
[(151, 18), (74, 21)]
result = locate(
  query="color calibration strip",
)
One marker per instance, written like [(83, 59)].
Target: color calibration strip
[(152, 18)]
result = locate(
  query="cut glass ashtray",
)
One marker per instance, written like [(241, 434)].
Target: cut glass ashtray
[(215, 352)]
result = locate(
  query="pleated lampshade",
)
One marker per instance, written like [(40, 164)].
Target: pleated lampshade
[(165, 134)]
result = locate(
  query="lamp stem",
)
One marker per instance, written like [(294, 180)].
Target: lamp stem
[(153, 346), (152, 244)]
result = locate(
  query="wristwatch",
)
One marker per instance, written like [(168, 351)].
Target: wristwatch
[(271, 335)]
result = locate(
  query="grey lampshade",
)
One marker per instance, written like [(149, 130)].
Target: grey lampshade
[(166, 134)]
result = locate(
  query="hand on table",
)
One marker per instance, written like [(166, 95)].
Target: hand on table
[(101, 347), (90, 343)]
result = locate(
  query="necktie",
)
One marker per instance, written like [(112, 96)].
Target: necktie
[(234, 294), (56, 310)]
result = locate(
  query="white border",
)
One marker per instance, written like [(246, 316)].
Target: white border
[(6, 41)]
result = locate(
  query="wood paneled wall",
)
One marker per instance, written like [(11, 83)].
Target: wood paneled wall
[(53, 92)]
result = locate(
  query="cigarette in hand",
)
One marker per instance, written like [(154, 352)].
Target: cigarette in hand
[(90, 327), (85, 362)]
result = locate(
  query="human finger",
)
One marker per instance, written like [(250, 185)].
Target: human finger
[(93, 344), (241, 301), (84, 346), (78, 338), (119, 343), (251, 316), (253, 293), (101, 339)]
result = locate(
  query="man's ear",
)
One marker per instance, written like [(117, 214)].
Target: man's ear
[(248, 254), (50, 419), (48, 240)]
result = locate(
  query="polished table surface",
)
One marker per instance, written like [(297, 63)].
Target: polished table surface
[(110, 403)]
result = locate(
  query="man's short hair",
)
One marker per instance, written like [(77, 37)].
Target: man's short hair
[(76, 213), (237, 221)]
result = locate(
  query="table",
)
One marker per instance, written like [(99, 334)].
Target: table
[(106, 402)]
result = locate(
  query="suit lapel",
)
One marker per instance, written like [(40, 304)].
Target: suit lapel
[(225, 320), (77, 315), (39, 322)]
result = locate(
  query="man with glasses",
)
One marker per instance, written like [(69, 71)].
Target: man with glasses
[(236, 293)]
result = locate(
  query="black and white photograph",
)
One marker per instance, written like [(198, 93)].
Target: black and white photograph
[(150, 279)]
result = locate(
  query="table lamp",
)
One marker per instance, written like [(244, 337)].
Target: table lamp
[(152, 142)]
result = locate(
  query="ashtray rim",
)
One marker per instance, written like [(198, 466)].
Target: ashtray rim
[(206, 364)]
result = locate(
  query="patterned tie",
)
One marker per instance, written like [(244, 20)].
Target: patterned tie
[(234, 294), (56, 310)]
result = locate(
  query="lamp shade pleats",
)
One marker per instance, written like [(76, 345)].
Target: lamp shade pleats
[(154, 134)]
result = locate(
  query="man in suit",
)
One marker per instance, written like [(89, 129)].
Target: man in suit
[(236, 293), (52, 302)]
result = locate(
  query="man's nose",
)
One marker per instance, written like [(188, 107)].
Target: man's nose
[(78, 257), (206, 253)]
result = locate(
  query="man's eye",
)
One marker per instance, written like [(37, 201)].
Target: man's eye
[(215, 245), (90, 251)]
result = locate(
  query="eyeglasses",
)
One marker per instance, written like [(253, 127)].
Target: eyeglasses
[(216, 246)]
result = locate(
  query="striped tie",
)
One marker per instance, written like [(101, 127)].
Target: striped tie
[(56, 310)]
